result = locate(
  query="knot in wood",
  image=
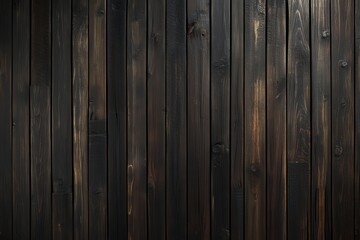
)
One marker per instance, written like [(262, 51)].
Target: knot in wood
[(325, 34), (338, 150), (253, 168), (218, 147), (343, 63)]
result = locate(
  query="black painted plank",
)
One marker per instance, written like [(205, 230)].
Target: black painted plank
[(220, 119), (97, 121), (116, 87), (137, 116), (6, 119), (298, 120), (62, 215), (198, 59), (237, 121), (21, 121), (40, 114), (321, 120), (342, 60), (255, 119), (80, 78), (156, 119), (176, 156), (276, 119), (357, 120), (61, 118)]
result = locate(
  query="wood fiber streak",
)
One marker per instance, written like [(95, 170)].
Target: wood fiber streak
[(176, 152), (21, 121), (298, 120), (116, 96), (255, 119), (321, 120), (97, 121), (6, 60), (342, 60), (357, 120), (220, 119), (80, 104), (137, 120), (276, 120), (198, 102), (156, 119), (237, 159)]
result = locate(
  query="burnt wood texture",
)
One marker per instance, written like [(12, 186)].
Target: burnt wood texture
[(180, 119)]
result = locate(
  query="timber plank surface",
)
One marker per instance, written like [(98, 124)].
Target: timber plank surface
[(180, 119)]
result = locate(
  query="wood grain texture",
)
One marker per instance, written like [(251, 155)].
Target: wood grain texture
[(137, 120), (357, 120), (80, 105), (276, 119), (237, 106), (116, 97), (342, 60), (220, 119), (254, 119), (61, 148), (97, 121), (298, 120), (176, 124), (321, 120), (6, 119), (40, 119), (156, 119), (21, 121), (198, 102)]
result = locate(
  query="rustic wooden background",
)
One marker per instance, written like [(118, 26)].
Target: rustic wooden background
[(175, 119)]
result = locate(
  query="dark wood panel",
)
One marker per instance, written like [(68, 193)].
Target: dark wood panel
[(237, 206), (321, 120), (276, 120), (176, 124), (116, 96), (198, 100), (220, 119), (40, 118), (137, 120), (97, 121), (156, 119), (6, 119), (255, 119), (61, 141), (298, 120), (342, 60), (21, 121), (80, 105), (357, 120)]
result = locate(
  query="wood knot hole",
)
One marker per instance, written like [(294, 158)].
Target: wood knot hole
[(338, 150), (325, 34), (343, 63)]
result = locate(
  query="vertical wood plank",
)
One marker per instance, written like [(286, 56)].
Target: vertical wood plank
[(342, 59), (255, 114), (298, 120), (6, 119), (156, 119), (137, 116), (176, 134), (61, 120), (198, 57), (220, 119), (276, 119), (321, 120), (357, 120), (97, 121), (80, 78), (40, 114), (116, 87), (237, 121), (21, 120)]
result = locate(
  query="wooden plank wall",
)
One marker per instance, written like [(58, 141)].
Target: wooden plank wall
[(180, 119)]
